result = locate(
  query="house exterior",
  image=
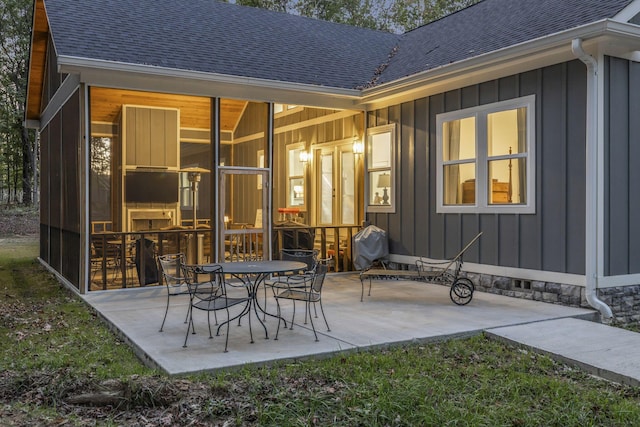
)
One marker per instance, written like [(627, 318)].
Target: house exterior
[(510, 117)]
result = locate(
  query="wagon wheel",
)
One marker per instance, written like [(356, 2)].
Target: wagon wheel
[(461, 291), (467, 281)]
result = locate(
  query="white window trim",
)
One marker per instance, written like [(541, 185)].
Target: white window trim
[(480, 113), (391, 207), (289, 148), (288, 109), (260, 163)]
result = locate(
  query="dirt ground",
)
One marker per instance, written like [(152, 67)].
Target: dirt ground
[(19, 222), (138, 401)]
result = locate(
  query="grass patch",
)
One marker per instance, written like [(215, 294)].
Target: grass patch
[(60, 364)]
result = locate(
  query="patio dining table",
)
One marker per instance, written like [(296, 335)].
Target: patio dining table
[(252, 274)]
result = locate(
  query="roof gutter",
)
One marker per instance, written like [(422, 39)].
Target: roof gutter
[(111, 73), (594, 145)]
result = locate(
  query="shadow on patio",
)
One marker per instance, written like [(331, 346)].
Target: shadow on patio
[(396, 312)]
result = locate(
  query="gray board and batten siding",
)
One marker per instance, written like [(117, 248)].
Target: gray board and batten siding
[(622, 174), (551, 239)]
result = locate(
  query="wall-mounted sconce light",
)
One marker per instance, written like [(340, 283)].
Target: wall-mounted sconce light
[(304, 156), (358, 146)]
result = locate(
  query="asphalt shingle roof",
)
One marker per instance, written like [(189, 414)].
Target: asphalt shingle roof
[(215, 37), (491, 25)]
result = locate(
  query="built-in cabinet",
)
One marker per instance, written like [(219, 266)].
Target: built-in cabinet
[(150, 143), (150, 137)]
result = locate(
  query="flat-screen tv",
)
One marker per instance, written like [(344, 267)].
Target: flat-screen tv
[(151, 187)]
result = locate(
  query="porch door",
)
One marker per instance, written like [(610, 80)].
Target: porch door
[(243, 214), (336, 185)]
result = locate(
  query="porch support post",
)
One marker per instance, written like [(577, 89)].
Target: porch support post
[(84, 160), (218, 247), (267, 211)]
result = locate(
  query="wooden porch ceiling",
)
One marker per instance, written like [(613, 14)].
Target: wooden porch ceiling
[(106, 103), (37, 61), (195, 112)]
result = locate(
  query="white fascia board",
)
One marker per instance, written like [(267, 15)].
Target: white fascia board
[(621, 280), (68, 87), (168, 80), (530, 55), (611, 37), (512, 272), (31, 124), (632, 56)]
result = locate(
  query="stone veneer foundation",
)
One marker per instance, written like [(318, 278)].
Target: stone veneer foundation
[(623, 300)]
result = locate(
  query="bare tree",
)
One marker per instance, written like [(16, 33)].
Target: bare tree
[(17, 143)]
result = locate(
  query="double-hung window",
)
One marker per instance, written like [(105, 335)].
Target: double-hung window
[(295, 176), (485, 158), (380, 170)]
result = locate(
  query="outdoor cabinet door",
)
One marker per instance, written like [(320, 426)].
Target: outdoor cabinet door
[(150, 137)]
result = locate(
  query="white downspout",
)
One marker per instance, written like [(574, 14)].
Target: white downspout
[(591, 220)]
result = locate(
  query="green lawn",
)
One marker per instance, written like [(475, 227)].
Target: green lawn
[(60, 365)]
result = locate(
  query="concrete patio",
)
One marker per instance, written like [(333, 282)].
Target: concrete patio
[(396, 312)]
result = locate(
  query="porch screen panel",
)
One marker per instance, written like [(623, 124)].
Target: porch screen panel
[(243, 136), (70, 191), (195, 155), (55, 194), (243, 131), (44, 194)]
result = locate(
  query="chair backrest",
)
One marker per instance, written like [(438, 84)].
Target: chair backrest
[(102, 248), (308, 256), (210, 289), (318, 278), (172, 266)]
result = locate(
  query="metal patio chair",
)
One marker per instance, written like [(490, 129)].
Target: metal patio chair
[(301, 280), (211, 296), (174, 277), (310, 294)]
